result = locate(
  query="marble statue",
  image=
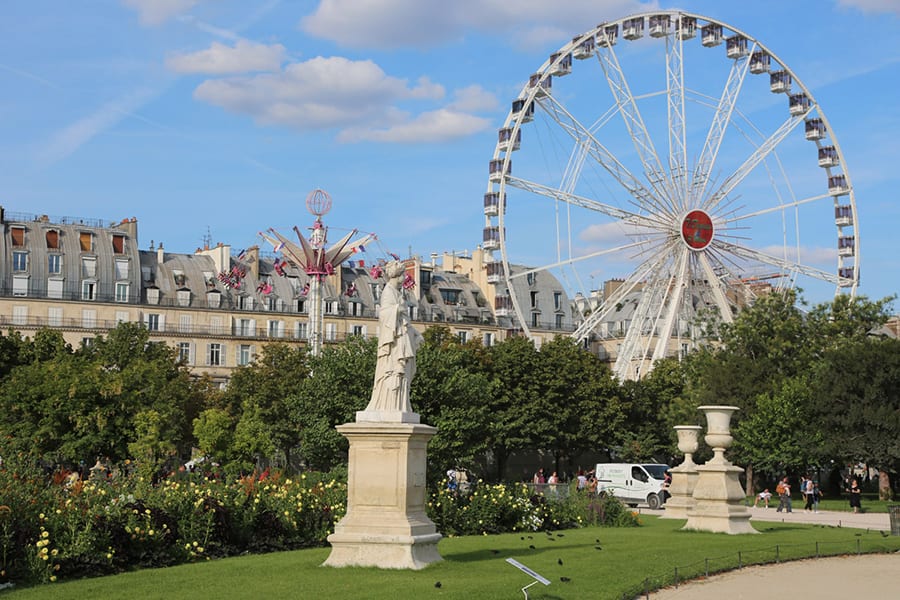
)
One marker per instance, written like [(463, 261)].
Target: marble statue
[(398, 341)]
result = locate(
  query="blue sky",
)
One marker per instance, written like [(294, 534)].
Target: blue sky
[(221, 115)]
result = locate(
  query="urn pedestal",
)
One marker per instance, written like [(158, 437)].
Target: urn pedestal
[(386, 525), (718, 495)]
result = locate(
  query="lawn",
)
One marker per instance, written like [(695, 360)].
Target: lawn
[(870, 503), (583, 563)]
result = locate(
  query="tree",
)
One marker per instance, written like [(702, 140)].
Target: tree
[(856, 402)]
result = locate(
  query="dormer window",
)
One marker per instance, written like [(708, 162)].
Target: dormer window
[(17, 234), (179, 278), (118, 243), (86, 239), (183, 296), (52, 239), (122, 269), (152, 295)]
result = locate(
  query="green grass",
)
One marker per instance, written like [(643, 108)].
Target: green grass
[(869, 505), (475, 567)]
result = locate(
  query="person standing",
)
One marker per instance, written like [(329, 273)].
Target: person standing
[(855, 496), (817, 495), (784, 496), (808, 487), (539, 481)]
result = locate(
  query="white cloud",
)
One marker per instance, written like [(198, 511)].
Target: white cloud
[(422, 23), (434, 126), (872, 6), (473, 98), (356, 97), (156, 12), (220, 59)]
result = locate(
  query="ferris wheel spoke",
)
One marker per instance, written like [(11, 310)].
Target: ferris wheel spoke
[(677, 287), (776, 208), (586, 138), (577, 259), (782, 263), (581, 201), (716, 286), (764, 149), (678, 170), (641, 273), (719, 125), (634, 122)]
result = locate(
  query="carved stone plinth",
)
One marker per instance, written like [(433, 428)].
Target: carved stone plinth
[(719, 501), (385, 525)]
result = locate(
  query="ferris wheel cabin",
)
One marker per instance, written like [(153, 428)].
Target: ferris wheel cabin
[(843, 216), (633, 29), (584, 49), (760, 62), (496, 170), (686, 28), (660, 25), (828, 157), (846, 245), (491, 238), (518, 106), (815, 129), (541, 82), (780, 82), (492, 204), (837, 185), (736, 47), (560, 66), (798, 104), (608, 36), (711, 35), (505, 141)]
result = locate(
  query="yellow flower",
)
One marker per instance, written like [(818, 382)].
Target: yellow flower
[(109, 555), (45, 534), (44, 557), (54, 552), (41, 516), (150, 532), (53, 578)]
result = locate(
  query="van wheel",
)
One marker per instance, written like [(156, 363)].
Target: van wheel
[(630, 505), (653, 501)]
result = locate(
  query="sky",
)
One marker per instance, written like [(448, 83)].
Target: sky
[(214, 119)]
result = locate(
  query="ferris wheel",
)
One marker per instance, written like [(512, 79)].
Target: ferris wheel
[(668, 168)]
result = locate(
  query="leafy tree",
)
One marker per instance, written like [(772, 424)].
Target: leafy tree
[(856, 402)]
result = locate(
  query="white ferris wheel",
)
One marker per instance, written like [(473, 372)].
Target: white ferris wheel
[(661, 167)]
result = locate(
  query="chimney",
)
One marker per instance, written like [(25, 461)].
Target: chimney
[(160, 255)]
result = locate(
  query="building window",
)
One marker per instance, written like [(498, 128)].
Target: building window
[(20, 261), (54, 264), (55, 288), (122, 268), (214, 355), (184, 352), (244, 327), (213, 299), (301, 331), (359, 330), (413, 312), (55, 316), (52, 239), (215, 325), (87, 342), (488, 339), (88, 267), (276, 329), (463, 336), (245, 354), (88, 290), (152, 321), (557, 300), (301, 305), (20, 315), (179, 278), (88, 318), (245, 302), (355, 309), (152, 295), (86, 239), (122, 316), (118, 244), (530, 278), (184, 323), (330, 332), (535, 319), (18, 236), (559, 321), (534, 299), (122, 292), (450, 296), (331, 307), (376, 292), (20, 285), (183, 297)]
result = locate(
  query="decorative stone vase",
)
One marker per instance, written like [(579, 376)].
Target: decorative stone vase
[(687, 441), (718, 430)]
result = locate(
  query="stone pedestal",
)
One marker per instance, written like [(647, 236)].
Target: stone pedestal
[(684, 476), (718, 495), (385, 525)]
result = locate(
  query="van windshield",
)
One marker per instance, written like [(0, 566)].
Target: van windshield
[(656, 471)]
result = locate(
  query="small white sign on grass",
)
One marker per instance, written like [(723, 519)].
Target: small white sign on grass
[(538, 578)]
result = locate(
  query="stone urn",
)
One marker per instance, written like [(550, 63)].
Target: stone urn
[(687, 441), (718, 430)]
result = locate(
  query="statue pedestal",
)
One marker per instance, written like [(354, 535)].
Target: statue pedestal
[(719, 501), (684, 480), (385, 525)]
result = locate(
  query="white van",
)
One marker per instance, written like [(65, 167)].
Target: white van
[(632, 483)]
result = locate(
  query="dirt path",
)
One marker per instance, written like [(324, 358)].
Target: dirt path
[(873, 577)]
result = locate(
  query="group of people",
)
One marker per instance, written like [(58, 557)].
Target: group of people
[(585, 480), (811, 494)]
